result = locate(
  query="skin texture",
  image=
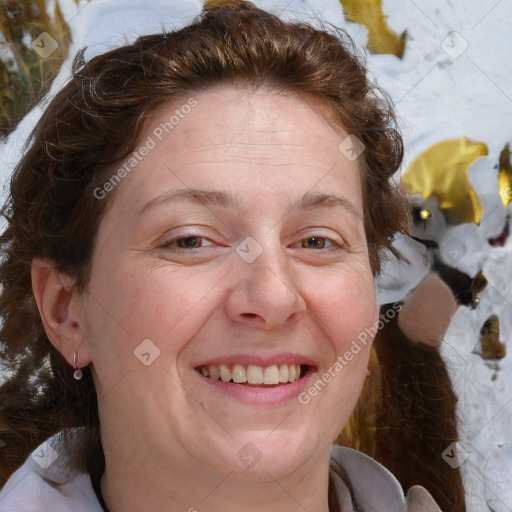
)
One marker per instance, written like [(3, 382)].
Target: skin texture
[(172, 440)]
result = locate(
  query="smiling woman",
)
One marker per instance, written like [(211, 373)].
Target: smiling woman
[(164, 330)]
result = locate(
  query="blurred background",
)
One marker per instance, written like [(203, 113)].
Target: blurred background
[(447, 67)]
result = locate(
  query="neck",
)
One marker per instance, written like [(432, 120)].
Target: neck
[(138, 486)]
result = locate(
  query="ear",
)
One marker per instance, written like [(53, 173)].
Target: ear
[(60, 307)]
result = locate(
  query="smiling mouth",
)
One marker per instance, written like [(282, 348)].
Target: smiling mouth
[(253, 375)]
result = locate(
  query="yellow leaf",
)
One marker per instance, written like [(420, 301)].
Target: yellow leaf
[(491, 346), (441, 171), (381, 39), (505, 176), (213, 3)]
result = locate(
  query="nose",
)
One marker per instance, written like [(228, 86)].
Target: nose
[(265, 292)]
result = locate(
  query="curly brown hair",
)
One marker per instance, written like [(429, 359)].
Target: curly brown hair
[(94, 122)]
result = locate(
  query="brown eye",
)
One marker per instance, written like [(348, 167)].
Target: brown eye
[(314, 242), (186, 242), (190, 242)]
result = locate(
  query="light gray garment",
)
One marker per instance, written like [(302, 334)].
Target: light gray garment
[(375, 488), (33, 487)]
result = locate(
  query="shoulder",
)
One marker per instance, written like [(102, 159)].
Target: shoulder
[(43, 483), (374, 487)]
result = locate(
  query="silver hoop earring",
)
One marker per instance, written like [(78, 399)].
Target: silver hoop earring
[(78, 373)]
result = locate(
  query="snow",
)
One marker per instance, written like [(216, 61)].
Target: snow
[(443, 89)]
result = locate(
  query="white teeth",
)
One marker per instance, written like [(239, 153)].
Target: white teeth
[(283, 373), (225, 374), (292, 373), (253, 374), (214, 372), (271, 375), (239, 374)]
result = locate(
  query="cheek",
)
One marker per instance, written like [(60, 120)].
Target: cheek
[(346, 304), (139, 320), (129, 305)]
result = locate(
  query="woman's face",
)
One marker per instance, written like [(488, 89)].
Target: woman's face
[(233, 245)]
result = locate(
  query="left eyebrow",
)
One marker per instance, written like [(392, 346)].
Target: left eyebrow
[(310, 201)]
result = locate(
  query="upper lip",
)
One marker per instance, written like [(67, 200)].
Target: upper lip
[(258, 360)]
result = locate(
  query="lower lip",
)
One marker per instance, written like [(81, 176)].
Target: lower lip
[(260, 395)]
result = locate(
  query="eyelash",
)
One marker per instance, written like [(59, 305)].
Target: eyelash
[(184, 237), (169, 243)]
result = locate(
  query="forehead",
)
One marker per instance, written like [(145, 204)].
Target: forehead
[(231, 113), (254, 141)]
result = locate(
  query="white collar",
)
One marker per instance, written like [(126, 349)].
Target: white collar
[(375, 488)]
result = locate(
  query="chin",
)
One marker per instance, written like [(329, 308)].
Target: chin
[(266, 456)]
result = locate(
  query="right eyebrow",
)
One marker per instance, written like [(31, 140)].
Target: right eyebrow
[(217, 198)]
